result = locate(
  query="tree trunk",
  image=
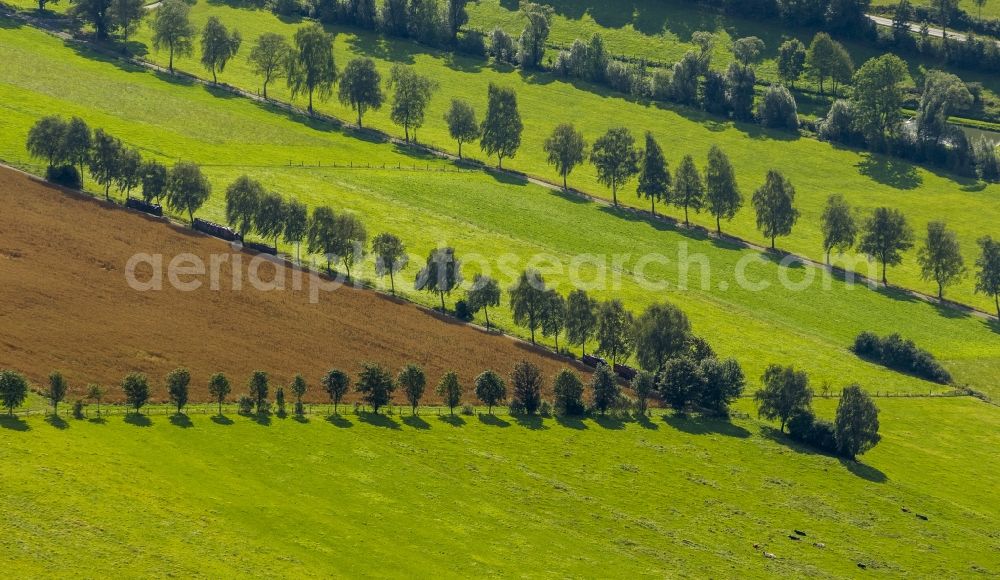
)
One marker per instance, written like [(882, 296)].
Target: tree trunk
[(310, 102), (265, 90), (220, 407), (406, 132), (884, 281), (359, 118), (565, 186), (996, 297), (686, 222), (828, 257), (442, 301), (170, 65), (614, 192), (652, 207), (298, 252), (557, 343), (940, 291), (532, 336), (392, 282), (718, 225), (772, 243), (499, 161), (486, 310), (215, 79)]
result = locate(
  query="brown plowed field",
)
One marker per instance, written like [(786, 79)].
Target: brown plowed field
[(65, 304)]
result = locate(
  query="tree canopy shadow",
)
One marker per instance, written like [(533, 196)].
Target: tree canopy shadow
[(263, 419), (865, 472), (138, 420), (338, 420), (378, 420), (492, 420), (300, 419), (453, 420), (698, 425), (533, 422), (861, 470), (416, 421), (13, 423), (221, 420), (97, 420), (609, 422), (57, 422), (992, 324), (181, 420), (646, 423), (888, 171), (571, 422)]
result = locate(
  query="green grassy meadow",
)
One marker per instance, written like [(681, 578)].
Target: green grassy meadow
[(491, 496), (486, 216)]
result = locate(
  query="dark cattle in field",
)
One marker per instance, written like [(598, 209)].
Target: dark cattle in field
[(144, 206), (593, 361), (626, 372), (215, 230), (262, 248)]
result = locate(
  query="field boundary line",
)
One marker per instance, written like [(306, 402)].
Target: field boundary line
[(344, 124)]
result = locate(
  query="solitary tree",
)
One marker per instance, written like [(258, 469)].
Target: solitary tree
[(568, 390), (310, 68), (187, 188), (791, 61), (413, 381), (57, 391), (839, 229), (299, 387), (660, 333), (604, 388), (988, 276), (785, 392), (258, 385), (219, 388), (218, 46), (361, 87), (616, 159), (409, 101), (581, 318), (105, 159), (336, 383), (441, 274), (722, 193), (96, 393), (450, 391), (375, 385), (654, 178), (856, 425), (528, 301), (269, 57), (502, 127), (296, 225), (526, 384), (885, 237), (462, 124), (172, 29), (689, 193), (136, 389), (484, 294), (614, 331), (13, 390), (941, 257), (243, 198), (390, 257), (490, 389), (178, 381), (775, 206), (565, 149)]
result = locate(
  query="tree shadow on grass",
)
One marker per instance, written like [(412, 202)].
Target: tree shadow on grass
[(300, 419), (646, 423), (222, 420), (533, 422), (416, 421), (378, 420), (866, 472), (705, 426), (993, 325), (13, 423), (861, 470), (571, 422), (97, 420), (138, 420), (609, 422), (453, 420), (181, 420), (493, 420), (57, 422), (339, 420), (263, 419), (891, 172)]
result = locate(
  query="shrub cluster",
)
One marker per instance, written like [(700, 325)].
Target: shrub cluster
[(819, 433), (902, 355)]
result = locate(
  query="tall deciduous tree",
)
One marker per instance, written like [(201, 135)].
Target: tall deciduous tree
[(46, 140), (484, 294), (654, 178), (775, 206), (689, 192), (136, 389), (821, 58), (178, 381), (361, 87), (243, 198), (581, 318), (568, 391), (413, 382), (218, 46), (105, 160), (390, 257), (490, 389), (885, 237), (553, 315), (129, 173), (154, 181), (614, 331), (172, 29), (528, 301), (311, 68), (526, 386), (502, 127), (321, 237), (269, 57), (125, 16), (723, 383), (442, 273), (856, 425), (722, 193), (604, 388), (531, 45), (785, 392), (462, 124), (659, 334), (988, 274), (375, 385), (565, 149), (455, 17), (450, 390), (13, 390), (258, 385), (644, 387), (299, 388), (336, 383), (616, 159), (878, 97), (97, 13), (839, 229), (350, 239), (943, 94), (269, 220), (791, 61), (219, 388), (57, 391), (296, 225), (412, 93), (680, 383), (187, 188), (747, 51), (941, 257)]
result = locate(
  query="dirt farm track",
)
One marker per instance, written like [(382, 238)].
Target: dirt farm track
[(65, 304)]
